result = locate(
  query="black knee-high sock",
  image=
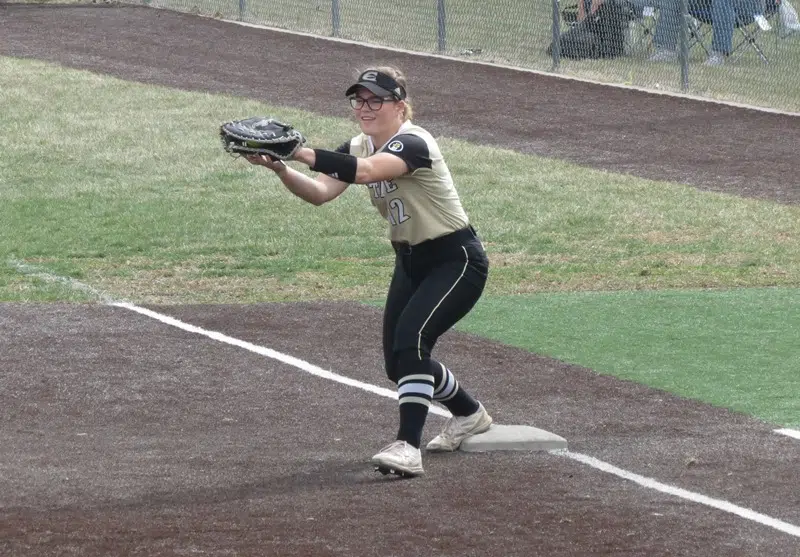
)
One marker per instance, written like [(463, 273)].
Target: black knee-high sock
[(449, 393), (414, 392), (412, 422)]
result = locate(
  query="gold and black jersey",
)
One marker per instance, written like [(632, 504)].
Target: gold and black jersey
[(422, 204)]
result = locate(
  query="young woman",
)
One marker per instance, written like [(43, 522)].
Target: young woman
[(440, 265)]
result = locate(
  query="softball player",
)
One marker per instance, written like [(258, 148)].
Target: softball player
[(440, 265)]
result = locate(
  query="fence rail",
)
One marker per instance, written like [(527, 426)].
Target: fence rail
[(763, 69)]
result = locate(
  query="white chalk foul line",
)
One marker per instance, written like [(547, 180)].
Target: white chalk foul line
[(584, 459), (789, 432), (685, 494), (41, 274), (643, 481), (269, 353)]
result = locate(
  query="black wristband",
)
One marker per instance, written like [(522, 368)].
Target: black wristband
[(336, 165)]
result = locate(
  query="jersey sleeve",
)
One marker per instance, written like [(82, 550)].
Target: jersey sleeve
[(412, 149), (344, 147)]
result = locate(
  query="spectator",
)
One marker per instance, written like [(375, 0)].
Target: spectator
[(600, 29), (665, 37), (587, 7), (721, 14), (723, 20), (667, 31)]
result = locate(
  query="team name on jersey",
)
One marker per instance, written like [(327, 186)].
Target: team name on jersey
[(380, 189)]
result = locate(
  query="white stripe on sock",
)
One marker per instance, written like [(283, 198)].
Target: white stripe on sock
[(416, 388), (415, 400), (423, 377)]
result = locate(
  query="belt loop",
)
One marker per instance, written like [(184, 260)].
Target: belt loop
[(402, 248)]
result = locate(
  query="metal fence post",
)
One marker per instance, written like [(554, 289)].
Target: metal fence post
[(683, 36), (441, 25), (242, 9), (556, 50), (335, 21)]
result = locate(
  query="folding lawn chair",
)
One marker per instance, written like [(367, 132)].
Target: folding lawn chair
[(644, 28), (748, 26)]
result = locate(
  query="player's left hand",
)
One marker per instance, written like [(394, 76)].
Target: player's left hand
[(267, 161)]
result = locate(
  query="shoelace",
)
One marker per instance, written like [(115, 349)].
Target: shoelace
[(390, 446), (452, 427)]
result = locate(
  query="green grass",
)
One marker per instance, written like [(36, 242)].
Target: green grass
[(104, 193), (124, 201)]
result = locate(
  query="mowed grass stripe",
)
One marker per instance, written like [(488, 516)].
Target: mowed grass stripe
[(133, 190)]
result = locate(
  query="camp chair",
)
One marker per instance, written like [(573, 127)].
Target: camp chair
[(748, 27), (644, 29), (641, 31)]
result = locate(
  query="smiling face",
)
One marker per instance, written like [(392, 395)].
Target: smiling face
[(377, 116)]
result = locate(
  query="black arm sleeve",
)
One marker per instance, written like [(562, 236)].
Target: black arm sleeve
[(327, 162)]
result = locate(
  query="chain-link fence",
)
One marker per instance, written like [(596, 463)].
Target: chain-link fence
[(736, 50)]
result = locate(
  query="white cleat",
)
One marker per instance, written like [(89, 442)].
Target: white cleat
[(458, 428), (400, 459)]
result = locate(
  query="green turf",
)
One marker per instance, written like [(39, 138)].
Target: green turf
[(738, 348)]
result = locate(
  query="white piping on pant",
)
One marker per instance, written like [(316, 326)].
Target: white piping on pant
[(419, 334)]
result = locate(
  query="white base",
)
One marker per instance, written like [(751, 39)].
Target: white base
[(513, 438)]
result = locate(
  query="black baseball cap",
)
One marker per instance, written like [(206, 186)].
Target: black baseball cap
[(379, 83)]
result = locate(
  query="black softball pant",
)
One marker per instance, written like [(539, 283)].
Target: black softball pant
[(434, 285)]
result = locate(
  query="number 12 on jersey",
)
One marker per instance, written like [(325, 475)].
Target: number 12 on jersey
[(397, 212)]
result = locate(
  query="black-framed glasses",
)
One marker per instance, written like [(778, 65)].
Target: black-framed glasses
[(374, 103)]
